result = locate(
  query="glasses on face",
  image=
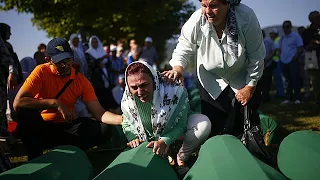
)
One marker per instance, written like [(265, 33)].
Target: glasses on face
[(64, 62), (286, 26)]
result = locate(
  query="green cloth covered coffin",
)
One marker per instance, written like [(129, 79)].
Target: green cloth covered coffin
[(224, 157), (138, 163), (62, 163), (299, 156)]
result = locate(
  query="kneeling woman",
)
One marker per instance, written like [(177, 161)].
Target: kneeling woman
[(158, 112)]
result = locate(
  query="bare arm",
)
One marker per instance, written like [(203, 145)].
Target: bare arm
[(100, 114), (25, 100)]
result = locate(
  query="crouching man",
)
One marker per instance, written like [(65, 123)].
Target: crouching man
[(45, 105)]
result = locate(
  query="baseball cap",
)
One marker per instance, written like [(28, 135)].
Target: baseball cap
[(275, 31), (59, 49), (148, 39)]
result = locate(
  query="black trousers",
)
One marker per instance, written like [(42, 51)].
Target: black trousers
[(218, 110), (37, 134)]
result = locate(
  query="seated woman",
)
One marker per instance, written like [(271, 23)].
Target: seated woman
[(158, 112)]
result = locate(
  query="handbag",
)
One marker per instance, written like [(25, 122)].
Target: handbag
[(311, 60), (253, 139)]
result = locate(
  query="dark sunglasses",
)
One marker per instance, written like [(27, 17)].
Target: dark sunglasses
[(64, 62), (286, 26)]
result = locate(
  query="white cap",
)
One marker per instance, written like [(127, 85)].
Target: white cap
[(148, 39), (275, 31), (121, 76), (113, 48)]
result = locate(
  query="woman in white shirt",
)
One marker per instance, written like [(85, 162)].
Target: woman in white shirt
[(226, 38)]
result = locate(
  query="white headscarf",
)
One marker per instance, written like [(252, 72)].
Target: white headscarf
[(98, 53), (78, 52), (165, 99)]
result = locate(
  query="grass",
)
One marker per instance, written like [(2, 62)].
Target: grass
[(293, 117)]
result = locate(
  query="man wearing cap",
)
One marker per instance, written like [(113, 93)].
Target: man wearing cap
[(46, 101), (149, 53)]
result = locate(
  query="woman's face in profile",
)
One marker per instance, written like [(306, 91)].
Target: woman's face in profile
[(141, 85), (215, 11)]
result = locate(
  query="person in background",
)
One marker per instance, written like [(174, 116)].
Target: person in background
[(291, 48), (311, 39), (133, 55), (27, 65), (269, 66), (226, 37), (277, 74), (117, 67), (42, 48), (305, 79), (79, 60), (5, 33), (148, 52), (118, 91), (159, 113), (99, 63), (45, 110), (39, 57), (79, 54)]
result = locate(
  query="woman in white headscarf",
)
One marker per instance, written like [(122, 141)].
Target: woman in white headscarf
[(79, 54), (79, 59), (158, 112), (97, 60)]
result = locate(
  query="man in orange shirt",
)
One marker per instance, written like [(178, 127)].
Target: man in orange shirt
[(46, 119)]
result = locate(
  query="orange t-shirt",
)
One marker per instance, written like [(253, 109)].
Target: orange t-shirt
[(44, 83)]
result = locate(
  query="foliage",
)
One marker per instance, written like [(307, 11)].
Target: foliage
[(109, 20)]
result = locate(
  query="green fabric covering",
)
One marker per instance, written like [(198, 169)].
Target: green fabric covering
[(267, 123), (224, 157), (299, 156), (63, 162), (138, 163)]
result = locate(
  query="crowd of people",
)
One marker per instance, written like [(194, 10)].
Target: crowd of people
[(55, 95)]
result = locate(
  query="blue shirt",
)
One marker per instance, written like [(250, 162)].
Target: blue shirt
[(289, 45), (270, 46)]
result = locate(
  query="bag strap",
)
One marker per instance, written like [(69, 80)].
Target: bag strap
[(64, 87), (247, 124)]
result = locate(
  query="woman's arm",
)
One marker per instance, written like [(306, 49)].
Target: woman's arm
[(181, 114)]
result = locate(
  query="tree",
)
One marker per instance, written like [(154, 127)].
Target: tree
[(109, 20)]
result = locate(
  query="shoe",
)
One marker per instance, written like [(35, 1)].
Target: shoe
[(285, 102), (181, 171), (297, 102)]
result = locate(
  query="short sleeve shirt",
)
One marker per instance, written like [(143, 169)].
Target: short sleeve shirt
[(44, 83)]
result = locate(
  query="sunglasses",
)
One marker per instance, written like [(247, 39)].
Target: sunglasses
[(286, 26), (64, 62)]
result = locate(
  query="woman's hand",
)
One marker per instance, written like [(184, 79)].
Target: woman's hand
[(245, 94), (159, 147), (134, 143), (176, 74)]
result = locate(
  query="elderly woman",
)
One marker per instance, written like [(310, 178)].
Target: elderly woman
[(98, 61), (226, 38), (159, 112), (78, 53)]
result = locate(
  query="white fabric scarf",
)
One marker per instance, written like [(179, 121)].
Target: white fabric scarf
[(165, 100), (98, 53)]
